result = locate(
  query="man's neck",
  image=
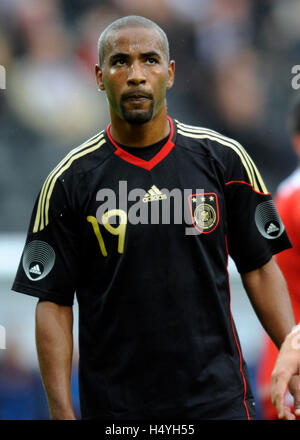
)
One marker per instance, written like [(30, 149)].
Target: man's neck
[(142, 135)]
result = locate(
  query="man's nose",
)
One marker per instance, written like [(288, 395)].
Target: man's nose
[(136, 74)]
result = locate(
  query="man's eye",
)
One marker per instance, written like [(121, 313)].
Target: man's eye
[(151, 61), (119, 63)]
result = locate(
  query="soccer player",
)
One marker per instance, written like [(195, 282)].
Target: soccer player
[(139, 221), (288, 205)]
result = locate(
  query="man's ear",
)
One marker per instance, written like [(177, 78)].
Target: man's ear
[(171, 73), (99, 78)]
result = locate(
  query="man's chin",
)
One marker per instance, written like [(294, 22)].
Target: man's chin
[(137, 117)]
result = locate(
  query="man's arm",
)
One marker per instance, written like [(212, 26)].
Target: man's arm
[(267, 291), (54, 341)]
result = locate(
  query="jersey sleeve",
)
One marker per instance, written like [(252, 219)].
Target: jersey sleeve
[(49, 266), (255, 229)]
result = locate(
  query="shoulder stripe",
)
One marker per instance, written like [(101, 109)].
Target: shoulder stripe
[(203, 133), (41, 204), (254, 171), (194, 129), (223, 142), (42, 219), (220, 137)]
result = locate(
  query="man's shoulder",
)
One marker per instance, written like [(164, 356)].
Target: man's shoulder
[(228, 153), (207, 140), (92, 150), (86, 156)]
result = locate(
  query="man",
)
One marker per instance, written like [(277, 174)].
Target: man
[(287, 365), (139, 221), (288, 205)]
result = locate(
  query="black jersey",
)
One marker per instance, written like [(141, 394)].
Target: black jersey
[(145, 245)]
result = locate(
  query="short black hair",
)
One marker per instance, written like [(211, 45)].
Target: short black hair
[(128, 22), (295, 116)]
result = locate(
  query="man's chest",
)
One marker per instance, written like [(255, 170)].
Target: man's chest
[(175, 200)]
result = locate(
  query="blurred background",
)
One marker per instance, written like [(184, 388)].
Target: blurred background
[(233, 74)]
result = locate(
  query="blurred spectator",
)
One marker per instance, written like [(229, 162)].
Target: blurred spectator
[(191, 11), (239, 93), (157, 10), (50, 94), (225, 31), (88, 28), (287, 20), (33, 14)]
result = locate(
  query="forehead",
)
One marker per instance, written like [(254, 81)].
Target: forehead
[(134, 40)]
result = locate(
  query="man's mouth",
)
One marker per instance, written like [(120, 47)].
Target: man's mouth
[(136, 98)]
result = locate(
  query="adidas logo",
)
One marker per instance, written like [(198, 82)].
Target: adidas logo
[(36, 270), (272, 228), (153, 194)]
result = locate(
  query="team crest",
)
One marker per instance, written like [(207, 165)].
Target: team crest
[(204, 211)]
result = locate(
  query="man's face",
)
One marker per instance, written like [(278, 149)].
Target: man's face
[(135, 74)]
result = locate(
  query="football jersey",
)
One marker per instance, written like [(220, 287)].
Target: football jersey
[(145, 245)]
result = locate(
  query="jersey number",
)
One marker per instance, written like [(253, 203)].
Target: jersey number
[(120, 230)]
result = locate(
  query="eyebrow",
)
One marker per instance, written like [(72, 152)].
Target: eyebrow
[(152, 53), (119, 55)]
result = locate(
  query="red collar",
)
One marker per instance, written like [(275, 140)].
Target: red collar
[(146, 164)]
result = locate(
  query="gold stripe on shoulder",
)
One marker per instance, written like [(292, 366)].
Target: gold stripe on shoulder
[(252, 171), (214, 138), (260, 179), (40, 212), (227, 139), (39, 219), (77, 156)]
